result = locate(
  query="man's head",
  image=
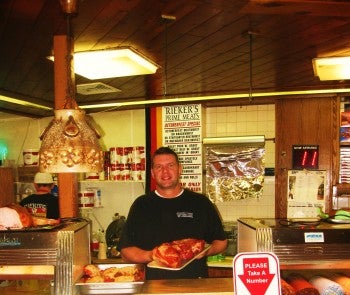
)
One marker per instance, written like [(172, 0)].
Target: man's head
[(164, 150), (166, 170), (43, 180)]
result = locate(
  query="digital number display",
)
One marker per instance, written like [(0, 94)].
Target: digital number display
[(305, 156)]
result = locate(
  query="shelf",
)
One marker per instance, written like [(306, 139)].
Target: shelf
[(111, 181)]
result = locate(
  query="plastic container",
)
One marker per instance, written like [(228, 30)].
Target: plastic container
[(31, 157)]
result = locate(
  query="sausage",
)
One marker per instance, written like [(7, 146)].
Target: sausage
[(301, 285), (286, 288)]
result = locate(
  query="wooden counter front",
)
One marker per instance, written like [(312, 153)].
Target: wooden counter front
[(189, 286)]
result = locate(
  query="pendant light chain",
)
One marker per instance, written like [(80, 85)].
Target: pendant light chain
[(250, 66), (166, 19), (70, 102), (165, 58)]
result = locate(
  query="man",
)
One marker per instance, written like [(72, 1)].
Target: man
[(42, 204), (170, 213)]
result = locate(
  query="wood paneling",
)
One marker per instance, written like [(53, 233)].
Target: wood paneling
[(306, 121), (7, 193), (204, 51)]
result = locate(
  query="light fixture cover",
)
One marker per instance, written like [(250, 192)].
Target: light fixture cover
[(332, 68), (111, 63), (70, 144)]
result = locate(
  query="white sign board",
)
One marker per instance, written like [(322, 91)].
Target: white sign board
[(256, 274)]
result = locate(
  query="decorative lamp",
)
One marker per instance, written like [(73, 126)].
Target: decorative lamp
[(70, 142)]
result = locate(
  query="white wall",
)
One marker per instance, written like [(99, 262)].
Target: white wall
[(20, 134), (241, 121)]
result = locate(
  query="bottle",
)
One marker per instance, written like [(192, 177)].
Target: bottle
[(95, 242), (102, 251)]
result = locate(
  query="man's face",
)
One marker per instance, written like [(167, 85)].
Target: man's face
[(166, 171)]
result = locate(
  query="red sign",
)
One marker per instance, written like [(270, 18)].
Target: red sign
[(256, 273)]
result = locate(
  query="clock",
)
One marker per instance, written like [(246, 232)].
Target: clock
[(305, 157)]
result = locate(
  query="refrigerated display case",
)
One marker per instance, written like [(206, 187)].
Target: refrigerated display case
[(54, 253)]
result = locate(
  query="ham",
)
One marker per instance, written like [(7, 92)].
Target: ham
[(24, 215), (167, 255), (14, 216), (9, 219), (174, 254)]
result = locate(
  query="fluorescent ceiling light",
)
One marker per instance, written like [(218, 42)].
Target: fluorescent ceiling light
[(111, 63), (23, 102), (332, 68), (234, 139)]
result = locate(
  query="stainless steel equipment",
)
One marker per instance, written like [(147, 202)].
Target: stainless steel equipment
[(230, 229), (56, 253), (296, 241)]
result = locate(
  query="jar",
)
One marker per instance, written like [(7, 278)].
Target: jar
[(31, 157)]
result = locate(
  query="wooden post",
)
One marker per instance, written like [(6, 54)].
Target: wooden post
[(64, 78)]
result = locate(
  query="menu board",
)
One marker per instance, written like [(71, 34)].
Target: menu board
[(182, 131), (306, 193)]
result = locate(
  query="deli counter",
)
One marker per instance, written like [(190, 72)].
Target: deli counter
[(56, 254), (299, 244)]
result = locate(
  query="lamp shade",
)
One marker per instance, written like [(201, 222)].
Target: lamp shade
[(70, 144)]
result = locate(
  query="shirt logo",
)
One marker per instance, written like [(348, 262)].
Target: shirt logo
[(184, 214)]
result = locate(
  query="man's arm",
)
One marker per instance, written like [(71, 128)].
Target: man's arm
[(217, 246), (136, 255)]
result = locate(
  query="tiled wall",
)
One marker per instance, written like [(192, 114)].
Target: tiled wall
[(220, 121), (241, 121)]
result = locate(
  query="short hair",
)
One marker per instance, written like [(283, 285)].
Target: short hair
[(164, 150)]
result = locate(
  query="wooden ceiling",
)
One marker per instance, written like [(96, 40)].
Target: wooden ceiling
[(213, 47)]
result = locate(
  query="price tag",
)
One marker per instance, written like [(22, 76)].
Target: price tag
[(256, 273)]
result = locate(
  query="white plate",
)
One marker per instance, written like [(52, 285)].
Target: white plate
[(155, 264), (340, 221)]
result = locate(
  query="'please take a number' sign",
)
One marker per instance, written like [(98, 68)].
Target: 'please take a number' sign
[(256, 274)]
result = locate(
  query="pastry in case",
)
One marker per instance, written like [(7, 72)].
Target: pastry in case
[(112, 279)]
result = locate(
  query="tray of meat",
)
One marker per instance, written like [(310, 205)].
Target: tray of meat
[(14, 217), (112, 279), (178, 254)]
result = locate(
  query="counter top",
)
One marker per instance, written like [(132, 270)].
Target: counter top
[(227, 262), (220, 286)]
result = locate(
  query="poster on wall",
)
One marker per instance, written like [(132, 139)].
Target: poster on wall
[(306, 193), (182, 131)]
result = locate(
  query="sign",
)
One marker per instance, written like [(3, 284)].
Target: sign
[(256, 274), (305, 156), (182, 131), (307, 193)]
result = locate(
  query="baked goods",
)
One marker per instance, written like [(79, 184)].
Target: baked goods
[(176, 253), (41, 221), (127, 273)]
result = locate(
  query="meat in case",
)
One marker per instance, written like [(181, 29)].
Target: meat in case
[(298, 244)]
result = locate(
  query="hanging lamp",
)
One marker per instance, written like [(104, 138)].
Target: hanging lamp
[(70, 142)]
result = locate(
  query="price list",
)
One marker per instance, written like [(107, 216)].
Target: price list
[(182, 131)]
